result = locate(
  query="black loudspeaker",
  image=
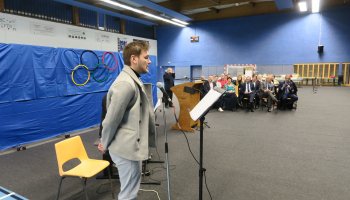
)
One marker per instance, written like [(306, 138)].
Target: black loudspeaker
[(320, 49)]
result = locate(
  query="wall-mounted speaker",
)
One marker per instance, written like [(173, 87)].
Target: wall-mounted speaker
[(320, 49)]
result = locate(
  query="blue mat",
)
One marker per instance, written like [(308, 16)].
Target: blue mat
[(9, 195)]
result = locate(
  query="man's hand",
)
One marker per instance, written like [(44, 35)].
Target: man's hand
[(100, 148)]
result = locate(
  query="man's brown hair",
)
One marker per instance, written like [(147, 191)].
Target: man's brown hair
[(134, 48)]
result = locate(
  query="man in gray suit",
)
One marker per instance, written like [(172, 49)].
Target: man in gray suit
[(267, 91), (129, 127)]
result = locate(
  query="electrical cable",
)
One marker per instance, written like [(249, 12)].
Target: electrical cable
[(89, 51), (188, 144), (76, 68), (153, 172), (205, 181), (189, 148), (151, 191), (114, 58)]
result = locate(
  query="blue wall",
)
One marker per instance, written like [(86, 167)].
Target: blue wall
[(274, 39)]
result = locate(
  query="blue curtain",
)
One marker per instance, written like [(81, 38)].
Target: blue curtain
[(38, 98)]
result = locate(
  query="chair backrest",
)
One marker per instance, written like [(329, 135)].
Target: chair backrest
[(69, 149), (236, 89)]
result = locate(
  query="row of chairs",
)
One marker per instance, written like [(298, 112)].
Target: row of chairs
[(262, 103)]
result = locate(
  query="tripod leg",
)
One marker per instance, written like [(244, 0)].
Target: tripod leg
[(206, 124)]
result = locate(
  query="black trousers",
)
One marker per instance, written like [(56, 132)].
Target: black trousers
[(230, 101)]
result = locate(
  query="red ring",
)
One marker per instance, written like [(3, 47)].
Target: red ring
[(115, 60)]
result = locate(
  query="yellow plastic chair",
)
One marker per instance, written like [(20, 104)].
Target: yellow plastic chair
[(72, 148)]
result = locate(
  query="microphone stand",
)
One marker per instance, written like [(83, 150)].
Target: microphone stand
[(145, 170), (166, 154), (166, 139)]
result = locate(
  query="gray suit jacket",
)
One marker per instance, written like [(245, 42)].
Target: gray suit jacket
[(264, 86), (129, 127)]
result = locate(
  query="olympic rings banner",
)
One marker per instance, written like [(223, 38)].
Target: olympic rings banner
[(45, 91), (32, 72)]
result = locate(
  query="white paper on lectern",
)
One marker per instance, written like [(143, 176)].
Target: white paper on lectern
[(209, 99)]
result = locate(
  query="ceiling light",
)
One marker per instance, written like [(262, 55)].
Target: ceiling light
[(141, 12), (302, 6), (315, 6), (179, 21)]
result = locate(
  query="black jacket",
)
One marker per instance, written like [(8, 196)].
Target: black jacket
[(282, 87), (168, 80), (242, 87)]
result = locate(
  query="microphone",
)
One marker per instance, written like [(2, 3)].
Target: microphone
[(160, 86)]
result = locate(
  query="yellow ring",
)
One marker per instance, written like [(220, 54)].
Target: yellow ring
[(72, 75)]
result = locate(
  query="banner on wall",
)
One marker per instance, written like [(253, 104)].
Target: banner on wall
[(29, 31), (122, 42), (40, 29), (240, 69), (7, 24)]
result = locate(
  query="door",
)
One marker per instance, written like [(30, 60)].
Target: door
[(196, 72)]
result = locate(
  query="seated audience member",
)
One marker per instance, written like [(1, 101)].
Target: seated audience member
[(219, 102), (205, 87), (274, 80), (256, 85), (259, 77), (239, 80), (246, 90), (223, 80), (212, 83), (267, 91), (244, 78), (218, 81), (287, 92), (230, 98)]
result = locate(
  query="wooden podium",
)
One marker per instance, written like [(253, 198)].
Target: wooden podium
[(187, 101)]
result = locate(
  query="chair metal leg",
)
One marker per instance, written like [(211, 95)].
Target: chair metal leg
[(83, 181), (59, 187), (110, 181)]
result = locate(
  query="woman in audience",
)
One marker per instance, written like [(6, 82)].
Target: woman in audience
[(230, 98), (239, 80)]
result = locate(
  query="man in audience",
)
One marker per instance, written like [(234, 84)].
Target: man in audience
[(247, 91), (217, 80), (211, 81), (267, 91), (205, 87), (288, 92), (256, 85)]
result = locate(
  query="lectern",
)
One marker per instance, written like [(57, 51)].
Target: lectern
[(187, 101)]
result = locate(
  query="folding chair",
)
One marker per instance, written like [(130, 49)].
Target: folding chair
[(72, 148)]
